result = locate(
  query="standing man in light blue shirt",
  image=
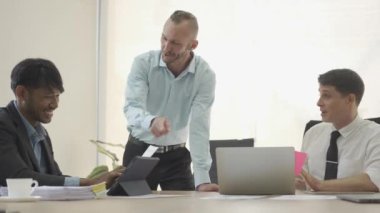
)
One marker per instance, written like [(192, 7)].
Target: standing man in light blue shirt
[(168, 100)]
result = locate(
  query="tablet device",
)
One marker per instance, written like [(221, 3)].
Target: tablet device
[(133, 180), (361, 198)]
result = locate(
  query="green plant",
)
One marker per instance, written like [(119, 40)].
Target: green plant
[(100, 147)]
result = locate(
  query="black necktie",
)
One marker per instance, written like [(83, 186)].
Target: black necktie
[(332, 157)]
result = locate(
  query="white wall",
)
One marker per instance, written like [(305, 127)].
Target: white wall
[(267, 56), (63, 31)]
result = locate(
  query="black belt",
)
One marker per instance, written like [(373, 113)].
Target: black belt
[(161, 149)]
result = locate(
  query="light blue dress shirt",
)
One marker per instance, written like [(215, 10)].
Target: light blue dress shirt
[(186, 100), (36, 137)]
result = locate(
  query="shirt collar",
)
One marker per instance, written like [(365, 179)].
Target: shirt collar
[(345, 131), (36, 132), (190, 68)]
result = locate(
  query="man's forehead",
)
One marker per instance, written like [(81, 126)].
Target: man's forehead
[(326, 88), (47, 90)]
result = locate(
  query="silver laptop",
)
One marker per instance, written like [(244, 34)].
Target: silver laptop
[(255, 171)]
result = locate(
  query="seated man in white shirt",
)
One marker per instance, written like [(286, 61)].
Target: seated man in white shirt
[(351, 162)]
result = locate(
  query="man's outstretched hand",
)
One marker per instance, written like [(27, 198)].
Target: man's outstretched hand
[(160, 126)]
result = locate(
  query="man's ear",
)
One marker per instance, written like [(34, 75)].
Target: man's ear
[(194, 44), (351, 98), (21, 93)]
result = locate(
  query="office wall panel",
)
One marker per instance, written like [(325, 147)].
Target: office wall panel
[(63, 31)]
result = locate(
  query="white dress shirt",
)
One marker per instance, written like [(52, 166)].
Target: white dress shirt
[(358, 149)]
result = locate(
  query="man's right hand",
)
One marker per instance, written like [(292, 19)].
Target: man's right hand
[(109, 178), (208, 187), (160, 126)]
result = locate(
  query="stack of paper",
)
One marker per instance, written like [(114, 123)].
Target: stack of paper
[(66, 192)]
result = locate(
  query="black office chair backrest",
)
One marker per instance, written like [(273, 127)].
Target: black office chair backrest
[(225, 143), (310, 124), (314, 122), (377, 120)]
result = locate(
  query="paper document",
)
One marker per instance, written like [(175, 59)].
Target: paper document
[(334, 193), (150, 151), (233, 197), (149, 196), (304, 197), (66, 192)]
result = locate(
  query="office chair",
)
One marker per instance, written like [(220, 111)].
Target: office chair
[(225, 143), (314, 122), (310, 124)]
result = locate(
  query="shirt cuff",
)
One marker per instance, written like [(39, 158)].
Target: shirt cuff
[(374, 176), (201, 176), (146, 122), (72, 181)]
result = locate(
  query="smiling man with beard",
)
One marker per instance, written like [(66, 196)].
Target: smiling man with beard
[(344, 150), (25, 147), (168, 100)]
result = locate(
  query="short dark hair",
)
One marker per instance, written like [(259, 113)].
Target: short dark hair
[(345, 81), (36, 73), (179, 15)]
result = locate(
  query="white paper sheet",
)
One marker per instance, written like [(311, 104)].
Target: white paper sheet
[(149, 196), (150, 151), (304, 197), (233, 197)]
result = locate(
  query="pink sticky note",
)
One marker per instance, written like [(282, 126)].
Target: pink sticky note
[(300, 159)]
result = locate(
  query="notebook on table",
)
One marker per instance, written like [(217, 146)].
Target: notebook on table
[(361, 198), (255, 171)]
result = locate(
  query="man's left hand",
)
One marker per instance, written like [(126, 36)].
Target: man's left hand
[(208, 187)]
